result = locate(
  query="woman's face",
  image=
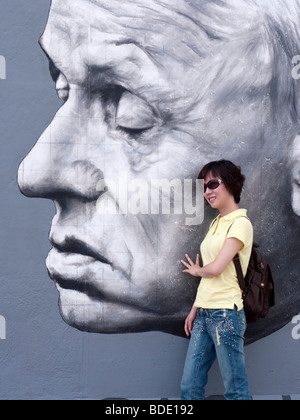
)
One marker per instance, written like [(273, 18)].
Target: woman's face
[(217, 198)]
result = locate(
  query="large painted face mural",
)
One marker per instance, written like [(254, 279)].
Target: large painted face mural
[(151, 91)]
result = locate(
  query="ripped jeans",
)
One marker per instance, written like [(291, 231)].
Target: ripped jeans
[(217, 333)]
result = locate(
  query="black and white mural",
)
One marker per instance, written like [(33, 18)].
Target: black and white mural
[(152, 90)]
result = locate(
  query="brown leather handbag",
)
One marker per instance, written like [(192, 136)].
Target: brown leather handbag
[(257, 287)]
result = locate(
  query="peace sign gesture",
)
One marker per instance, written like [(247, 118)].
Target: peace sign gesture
[(192, 269)]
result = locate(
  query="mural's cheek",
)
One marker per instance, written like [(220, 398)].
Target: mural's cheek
[(121, 262), (134, 273), (95, 297), (98, 279)]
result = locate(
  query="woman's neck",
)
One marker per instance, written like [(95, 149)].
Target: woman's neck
[(231, 207)]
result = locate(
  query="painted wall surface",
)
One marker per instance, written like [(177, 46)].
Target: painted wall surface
[(133, 104)]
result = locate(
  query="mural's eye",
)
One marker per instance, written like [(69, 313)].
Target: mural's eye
[(62, 87), (134, 115)]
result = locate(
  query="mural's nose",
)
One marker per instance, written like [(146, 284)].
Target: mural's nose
[(34, 174), (56, 168)]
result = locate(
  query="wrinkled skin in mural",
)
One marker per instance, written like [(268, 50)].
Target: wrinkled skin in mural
[(154, 90)]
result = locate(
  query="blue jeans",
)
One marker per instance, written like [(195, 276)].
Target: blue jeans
[(217, 333)]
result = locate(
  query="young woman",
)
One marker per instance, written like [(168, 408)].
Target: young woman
[(217, 320)]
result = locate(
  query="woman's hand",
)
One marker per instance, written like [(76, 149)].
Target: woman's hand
[(189, 322), (231, 247), (192, 269)]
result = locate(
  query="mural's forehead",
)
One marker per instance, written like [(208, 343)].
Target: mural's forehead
[(119, 11), (199, 21), (216, 19), (133, 7), (207, 36), (145, 16), (83, 28), (192, 9), (180, 28)]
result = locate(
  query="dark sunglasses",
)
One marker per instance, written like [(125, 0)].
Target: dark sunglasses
[(213, 184)]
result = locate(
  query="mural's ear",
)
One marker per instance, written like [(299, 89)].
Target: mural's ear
[(295, 149), (295, 159), (296, 87), (281, 19)]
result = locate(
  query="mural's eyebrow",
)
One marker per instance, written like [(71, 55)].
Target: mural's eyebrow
[(129, 65)]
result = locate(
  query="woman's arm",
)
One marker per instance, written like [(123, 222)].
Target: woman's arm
[(231, 247), (189, 322)]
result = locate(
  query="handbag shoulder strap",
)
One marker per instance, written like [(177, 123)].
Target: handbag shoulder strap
[(239, 272), (237, 264)]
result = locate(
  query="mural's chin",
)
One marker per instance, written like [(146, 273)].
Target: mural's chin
[(92, 315)]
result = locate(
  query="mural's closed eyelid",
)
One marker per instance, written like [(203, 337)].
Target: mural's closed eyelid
[(134, 114)]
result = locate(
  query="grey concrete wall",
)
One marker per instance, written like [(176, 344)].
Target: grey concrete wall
[(42, 357)]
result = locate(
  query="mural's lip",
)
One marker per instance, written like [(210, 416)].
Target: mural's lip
[(86, 275), (72, 245), (76, 271)]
